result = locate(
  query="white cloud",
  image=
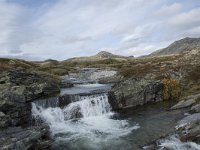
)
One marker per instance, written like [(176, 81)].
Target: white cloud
[(76, 28), (186, 20), (168, 10)]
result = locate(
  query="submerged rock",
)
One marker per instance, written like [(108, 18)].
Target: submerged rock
[(134, 92)]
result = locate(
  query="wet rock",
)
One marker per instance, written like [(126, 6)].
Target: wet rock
[(4, 120), (188, 119), (19, 138), (190, 131), (135, 92), (195, 108), (73, 112)]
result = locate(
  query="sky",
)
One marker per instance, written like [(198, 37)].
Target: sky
[(61, 29)]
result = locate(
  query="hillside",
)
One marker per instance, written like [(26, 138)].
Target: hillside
[(99, 56), (179, 47)]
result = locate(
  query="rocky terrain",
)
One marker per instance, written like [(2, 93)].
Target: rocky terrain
[(18, 88), (187, 129), (170, 74), (101, 55), (179, 47)]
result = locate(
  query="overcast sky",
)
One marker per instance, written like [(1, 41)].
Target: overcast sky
[(60, 29)]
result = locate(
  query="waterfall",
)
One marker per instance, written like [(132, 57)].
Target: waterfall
[(174, 143), (86, 106), (87, 120)]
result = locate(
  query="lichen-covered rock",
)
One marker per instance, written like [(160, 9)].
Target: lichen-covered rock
[(18, 138), (17, 89), (133, 92)]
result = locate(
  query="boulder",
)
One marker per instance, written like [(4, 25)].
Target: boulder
[(133, 92)]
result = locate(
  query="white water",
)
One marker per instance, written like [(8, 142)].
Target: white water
[(173, 143), (94, 127)]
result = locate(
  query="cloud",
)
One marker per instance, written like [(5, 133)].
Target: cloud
[(60, 29), (168, 10), (186, 20)]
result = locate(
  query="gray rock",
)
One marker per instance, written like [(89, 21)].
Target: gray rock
[(196, 108), (184, 104), (188, 120), (18, 138), (17, 89), (190, 131), (132, 92)]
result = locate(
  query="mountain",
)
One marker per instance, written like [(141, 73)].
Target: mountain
[(104, 54), (179, 47), (99, 56)]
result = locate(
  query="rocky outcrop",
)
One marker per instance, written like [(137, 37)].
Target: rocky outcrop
[(179, 47), (17, 138), (184, 104), (187, 102), (133, 92), (195, 108), (188, 128), (90, 75), (18, 88)]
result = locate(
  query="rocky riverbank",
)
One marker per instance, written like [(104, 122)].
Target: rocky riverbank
[(18, 88), (186, 133), (134, 92)]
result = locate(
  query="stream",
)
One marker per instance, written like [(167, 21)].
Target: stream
[(88, 122)]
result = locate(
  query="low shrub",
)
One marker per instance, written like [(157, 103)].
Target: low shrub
[(171, 89)]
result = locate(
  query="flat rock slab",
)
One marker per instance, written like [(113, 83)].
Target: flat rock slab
[(188, 119), (184, 104)]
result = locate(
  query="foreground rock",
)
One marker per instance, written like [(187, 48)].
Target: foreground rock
[(195, 108), (190, 131), (132, 92), (187, 102), (18, 88), (18, 138)]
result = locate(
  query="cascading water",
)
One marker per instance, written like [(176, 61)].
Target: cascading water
[(174, 143), (83, 124)]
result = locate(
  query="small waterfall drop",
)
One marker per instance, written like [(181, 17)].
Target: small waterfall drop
[(88, 120), (87, 106)]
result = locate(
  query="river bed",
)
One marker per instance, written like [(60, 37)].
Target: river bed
[(97, 127)]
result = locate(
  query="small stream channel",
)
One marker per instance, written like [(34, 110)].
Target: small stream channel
[(88, 123)]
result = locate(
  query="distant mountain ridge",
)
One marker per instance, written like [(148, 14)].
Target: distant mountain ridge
[(105, 54), (99, 56), (179, 47)]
